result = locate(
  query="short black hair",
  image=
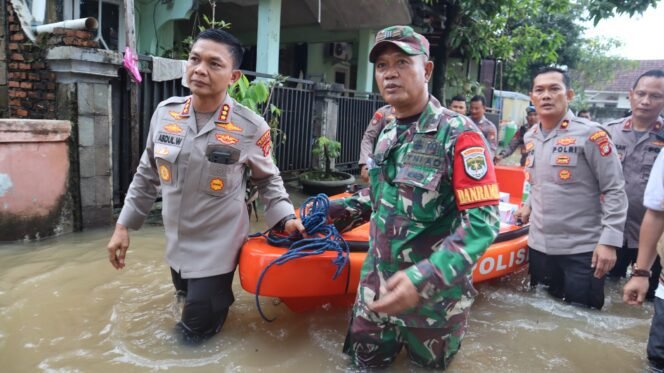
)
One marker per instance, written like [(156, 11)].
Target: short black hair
[(582, 111), (226, 38), (458, 98), (655, 73), (552, 69), (479, 98)]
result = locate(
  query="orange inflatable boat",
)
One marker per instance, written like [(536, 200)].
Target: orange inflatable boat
[(307, 283)]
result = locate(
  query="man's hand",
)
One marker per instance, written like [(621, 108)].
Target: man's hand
[(399, 295), (497, 159), (294, 225), (634, 291), (523, 214), (117, 246), (364, 173), (604, 258)]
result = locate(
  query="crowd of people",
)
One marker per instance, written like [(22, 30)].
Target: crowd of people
[(586, 208)]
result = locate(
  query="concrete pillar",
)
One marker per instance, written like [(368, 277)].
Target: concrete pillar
[(364, 81), (83, 76), (267, 45), (326, 115)]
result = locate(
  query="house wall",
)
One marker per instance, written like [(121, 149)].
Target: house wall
[(31, 84), (34, 179)]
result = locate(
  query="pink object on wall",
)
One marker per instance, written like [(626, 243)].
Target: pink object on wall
[(131, 64)]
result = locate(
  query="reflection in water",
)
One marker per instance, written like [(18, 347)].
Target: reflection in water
[(63, 307)]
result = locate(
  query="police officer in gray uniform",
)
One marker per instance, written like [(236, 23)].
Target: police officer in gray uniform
[(200, 151), (638, 139), (577, 196), (488, 128)]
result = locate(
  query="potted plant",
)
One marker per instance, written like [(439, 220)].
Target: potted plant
[(327, 180)]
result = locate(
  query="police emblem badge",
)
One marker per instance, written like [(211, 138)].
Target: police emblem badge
[(474, 162)]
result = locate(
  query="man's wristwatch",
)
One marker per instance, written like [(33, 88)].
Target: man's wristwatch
[(636, 272), (281, 225)]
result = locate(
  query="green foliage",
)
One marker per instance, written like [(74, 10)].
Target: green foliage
[(599, 10), (595, 67), (524, 34), (326, 149)]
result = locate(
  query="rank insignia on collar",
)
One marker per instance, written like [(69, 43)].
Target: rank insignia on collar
[(216, 184), (223, 114), (474, 162), (185, 109), (564, 124), (173, 128), (628, 125), (226, 139), (377, 116), (228, 126)]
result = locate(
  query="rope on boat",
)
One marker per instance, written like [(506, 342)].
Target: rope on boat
[(322, 237)]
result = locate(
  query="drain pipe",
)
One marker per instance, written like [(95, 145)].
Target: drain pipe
[(74, 24)]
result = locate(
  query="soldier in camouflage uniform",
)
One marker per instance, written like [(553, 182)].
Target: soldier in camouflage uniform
[(432, 205)]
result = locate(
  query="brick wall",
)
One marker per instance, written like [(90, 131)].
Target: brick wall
[(31, 85)]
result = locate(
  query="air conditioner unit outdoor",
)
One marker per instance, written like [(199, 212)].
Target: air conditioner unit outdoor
[(341, 51)]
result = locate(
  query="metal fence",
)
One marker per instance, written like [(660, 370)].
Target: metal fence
[(355, 112)]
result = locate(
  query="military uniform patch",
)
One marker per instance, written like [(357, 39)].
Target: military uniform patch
[(165, 173), (604, 148), (226, 139), (563, 160), (216, 184), (228, 126), (175, 115), (169, 139), (265, 143), (161, 150), (564, 174), (565, 141), (474, 162), (598, 136), (173, 128)]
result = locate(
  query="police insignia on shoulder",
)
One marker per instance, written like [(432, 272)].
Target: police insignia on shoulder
[(474, 162)]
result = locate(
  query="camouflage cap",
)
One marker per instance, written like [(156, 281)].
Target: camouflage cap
[(403, 37)]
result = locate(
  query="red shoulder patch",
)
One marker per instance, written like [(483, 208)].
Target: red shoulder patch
[(265, 143), (474, 176)]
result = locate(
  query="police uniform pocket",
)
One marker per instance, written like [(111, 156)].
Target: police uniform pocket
[(221, 180), (563, 167), (165, 157)]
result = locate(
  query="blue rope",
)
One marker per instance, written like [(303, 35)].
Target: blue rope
[(323, 237)]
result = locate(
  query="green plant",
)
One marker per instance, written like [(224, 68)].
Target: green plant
[(327, 149), (257, 95)]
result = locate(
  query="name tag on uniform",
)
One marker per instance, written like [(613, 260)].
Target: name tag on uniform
[(170, 139)]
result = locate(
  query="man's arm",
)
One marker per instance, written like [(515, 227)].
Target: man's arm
[(368, 141), (141, 195), (265, 175), (348, 213), (652, 228), (604, 162), (514, 144)]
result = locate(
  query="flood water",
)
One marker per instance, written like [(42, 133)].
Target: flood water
[(64, 308)]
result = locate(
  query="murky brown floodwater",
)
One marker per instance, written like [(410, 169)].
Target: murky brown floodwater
[(64, 308)]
